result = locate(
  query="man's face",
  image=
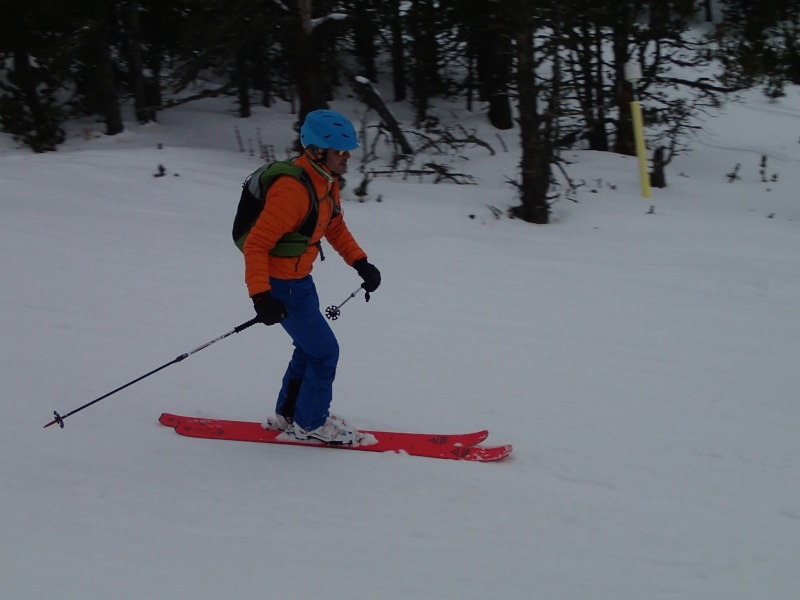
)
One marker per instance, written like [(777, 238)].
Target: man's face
[(336, 163)]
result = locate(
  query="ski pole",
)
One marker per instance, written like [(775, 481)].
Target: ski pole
[(60, 418), (333, 312)]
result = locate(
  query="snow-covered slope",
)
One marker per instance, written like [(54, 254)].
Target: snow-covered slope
[(643, 366)]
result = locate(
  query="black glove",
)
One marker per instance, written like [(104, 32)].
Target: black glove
[(369, 273), (268, 309)]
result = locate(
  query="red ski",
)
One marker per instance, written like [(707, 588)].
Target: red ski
[(455, 447)]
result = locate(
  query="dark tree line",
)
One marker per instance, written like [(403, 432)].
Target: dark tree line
[(553, 68)]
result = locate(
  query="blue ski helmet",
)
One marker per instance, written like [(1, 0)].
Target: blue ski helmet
[(328, 129)]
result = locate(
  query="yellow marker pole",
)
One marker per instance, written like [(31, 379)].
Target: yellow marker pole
[(641, 148), (633, 73)]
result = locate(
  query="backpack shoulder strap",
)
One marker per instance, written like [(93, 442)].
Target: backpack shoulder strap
[(309, 224), (267, 176)]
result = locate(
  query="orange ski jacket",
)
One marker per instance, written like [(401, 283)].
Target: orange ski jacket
[(286, 207)]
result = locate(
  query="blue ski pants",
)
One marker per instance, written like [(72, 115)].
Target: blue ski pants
[(316, 352)]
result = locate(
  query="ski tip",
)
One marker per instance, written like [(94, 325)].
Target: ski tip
[(483, 453), (169, 420), (499, 453)]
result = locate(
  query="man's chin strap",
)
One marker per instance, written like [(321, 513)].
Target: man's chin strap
[(317, 155), (317, 161)]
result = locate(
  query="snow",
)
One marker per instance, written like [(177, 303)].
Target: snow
[(643, 366)]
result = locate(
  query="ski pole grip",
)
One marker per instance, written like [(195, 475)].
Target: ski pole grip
[(244, 326)]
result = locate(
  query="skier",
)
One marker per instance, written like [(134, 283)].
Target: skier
[(280, 282)]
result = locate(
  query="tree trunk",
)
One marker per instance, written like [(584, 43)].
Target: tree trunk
[(144, 112), (425, 56), (398, 55), (153, 85), (242, 83), (598, 137), (625, 142), (709, 12), (310, 88), (587, 43), (658, 176), (494, 71), (107, 95), (535, 150), (266, 86), (364, 39)]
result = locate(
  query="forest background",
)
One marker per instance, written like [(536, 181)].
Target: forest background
[(555, 68)]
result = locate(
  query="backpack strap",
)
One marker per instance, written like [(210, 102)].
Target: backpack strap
[(296, 242)]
